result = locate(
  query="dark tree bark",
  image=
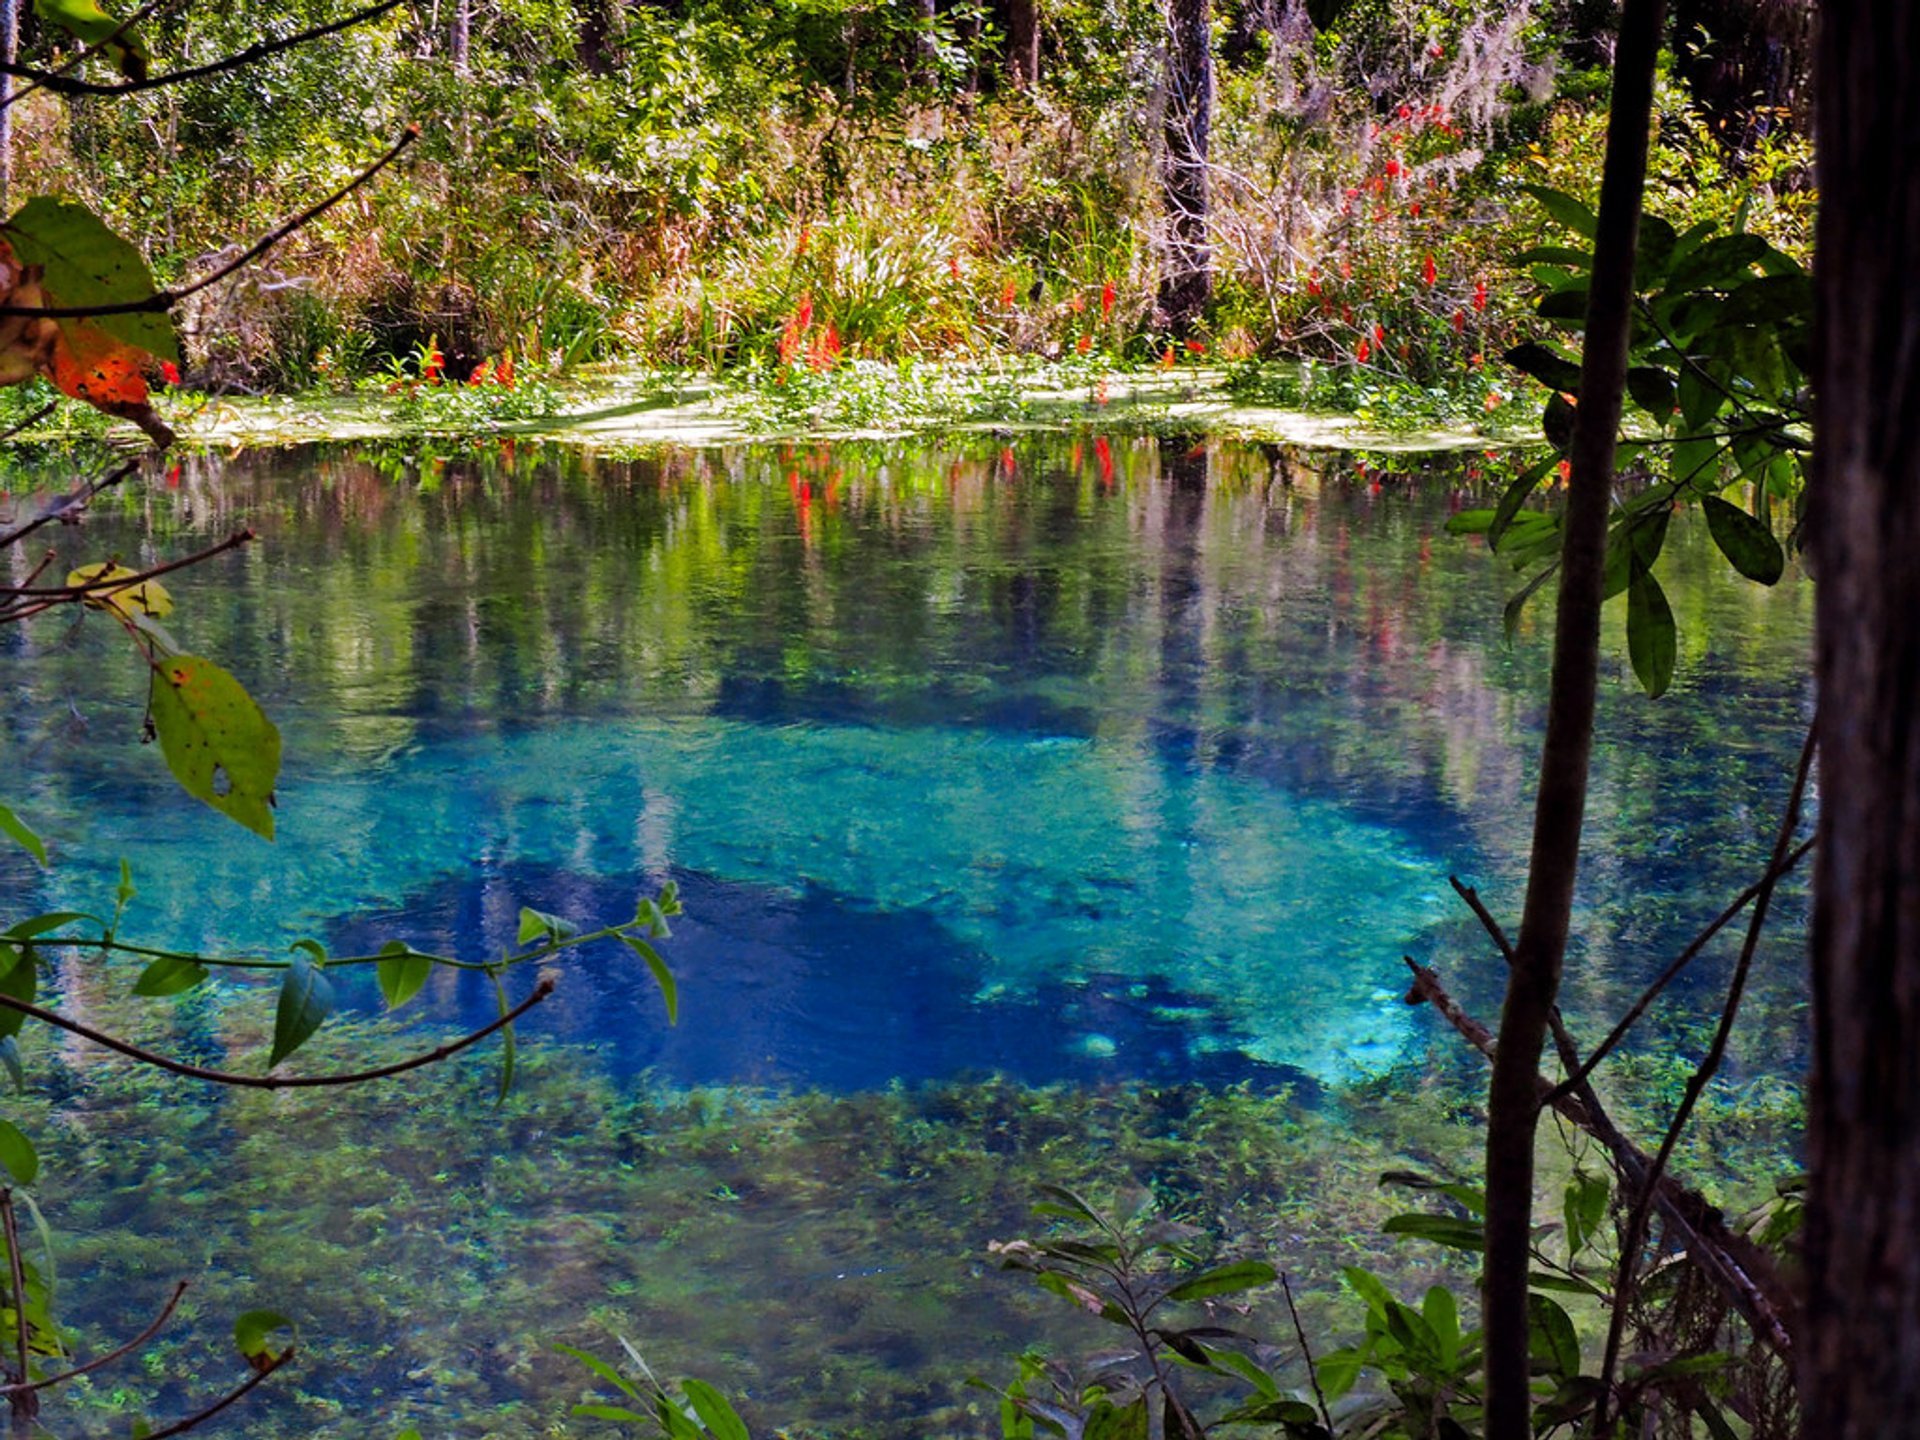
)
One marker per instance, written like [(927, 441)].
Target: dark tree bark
[(1023, 43), (460, 35), (1860, 1368), (1186, 275), (1533, 981), (1746, 62), (925, 53)]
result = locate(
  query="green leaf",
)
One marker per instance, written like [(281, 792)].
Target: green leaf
[(218, 744), (19, 981), (1570, 212), (1556, 422), (601, 1368), (85, 20), (1470, 1196), (1652, 390), (714, 1411), (1225, 1279), (401, 970), (1470, 522), (1069, 1202), (17, 1153), (1339, 1372), (611, 1412), (169, 975), (1555, 255), (15, 829), (1717, 264), (1177, 1422), (1442, 1314), (1545, 364), (1448, 1230), (538, 925), (43, 924), (1368, 1287), (509, 1047), (663, 977), (250, 1331), (1651, 643), (84, 264), (1551, 1340), (10, 1059), (1583, 1207), (306, 999), (1569, 304), (1745, 541)]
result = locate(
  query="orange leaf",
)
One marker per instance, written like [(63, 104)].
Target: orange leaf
[(90, 365)]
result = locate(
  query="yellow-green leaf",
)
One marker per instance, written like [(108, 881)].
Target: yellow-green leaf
[(17, 1153), (17, 830), (146, 597), (220, 746), (401, 970), (85, 20)]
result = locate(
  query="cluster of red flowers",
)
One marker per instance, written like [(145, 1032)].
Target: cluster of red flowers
[(494, 372), (821, 347)]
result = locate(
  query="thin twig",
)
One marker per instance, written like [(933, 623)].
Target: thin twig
[(116, 583), (33, 419), (83, 54), (1743, 1272), (275, 1082), (1685, 958), (64, 84), (1636, 1228), (267, 1367), (17, 1276), (118, 1352), (1313, 1370), (162, 300), (72, 501)]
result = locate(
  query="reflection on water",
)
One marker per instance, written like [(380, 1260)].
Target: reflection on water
[(1081, 762)]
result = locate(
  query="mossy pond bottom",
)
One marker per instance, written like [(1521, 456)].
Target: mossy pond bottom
[(1054, 810)]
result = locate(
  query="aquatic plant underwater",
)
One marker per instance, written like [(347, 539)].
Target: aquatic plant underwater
[(715, 680)]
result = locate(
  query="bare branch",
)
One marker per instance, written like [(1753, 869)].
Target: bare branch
[(180, 1427), (275, 1082), (163, 300), (72, 503), (62, 83), (117, 1353)]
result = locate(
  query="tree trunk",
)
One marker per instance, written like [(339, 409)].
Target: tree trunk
[(1860, 1367), (459, 37), (1533, 983), (10, 51), (1186, 275), (926, 54), (1023, 43)]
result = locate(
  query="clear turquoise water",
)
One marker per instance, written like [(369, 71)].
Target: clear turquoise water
[(969, 762)]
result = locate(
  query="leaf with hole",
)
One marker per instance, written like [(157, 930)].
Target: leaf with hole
[(221, 748), (250, 1332)]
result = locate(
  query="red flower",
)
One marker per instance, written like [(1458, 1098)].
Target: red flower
[(169, 372), (1459, 321), (1083, 344), (482, 373), (1362, 350), (1566, 471), (1076, 303), (1196, 347), (953, 266), (1429, 272), (1380, 335), (503, 372), (806, 238), (1107, 297), (431, 364), (1393, 168), (1006, 295), (1414, 210), (1166, 360), (1313, 284), (1480, 295)]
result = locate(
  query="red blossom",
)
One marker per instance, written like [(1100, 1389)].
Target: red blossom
[(1393, 168), (1006, 295), (503, 372), (1083, 344), (1459, 321), (1107, 297), (1362, 350), (482, 373), (1196, 347), (1430, 272), (1166, 359), (1480, 295), (169, 372)]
